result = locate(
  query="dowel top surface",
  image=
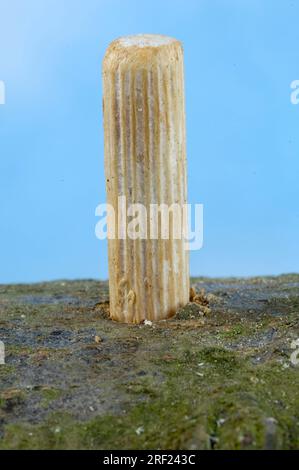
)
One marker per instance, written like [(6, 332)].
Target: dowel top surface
[(141, 50), (145, 40)]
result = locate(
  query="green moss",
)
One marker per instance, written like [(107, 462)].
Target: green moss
[(237, 330), (6, 370), (219, 382), (231, 399), (141, 388), (233, 411), (9, 399), (49, 394)]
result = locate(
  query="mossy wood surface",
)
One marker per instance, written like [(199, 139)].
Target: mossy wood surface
[(218, 375)]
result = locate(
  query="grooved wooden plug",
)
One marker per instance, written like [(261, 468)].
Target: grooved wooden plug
[(145, 165)]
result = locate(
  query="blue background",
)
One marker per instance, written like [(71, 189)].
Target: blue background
[(243, 140)]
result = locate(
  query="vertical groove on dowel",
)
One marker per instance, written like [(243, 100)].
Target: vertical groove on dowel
[(145, 161)]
